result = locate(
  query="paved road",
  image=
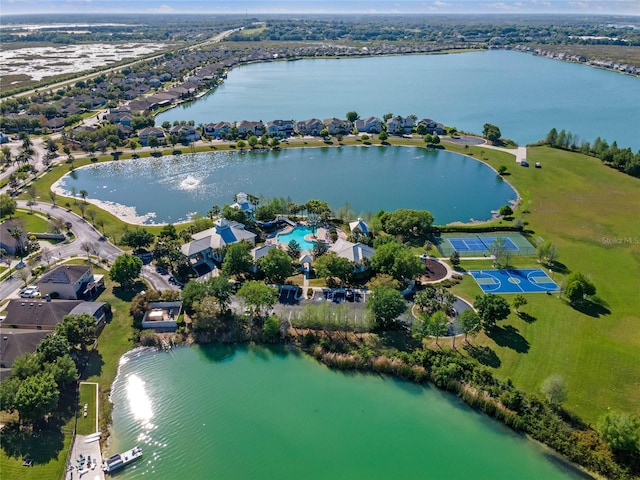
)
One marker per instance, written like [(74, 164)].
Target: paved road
[(156, 280), (83, 231)]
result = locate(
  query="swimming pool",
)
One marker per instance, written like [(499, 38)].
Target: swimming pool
[(297, 234)]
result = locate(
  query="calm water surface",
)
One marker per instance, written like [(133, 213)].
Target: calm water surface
[(255, 413), (523, 94), (451, 186)]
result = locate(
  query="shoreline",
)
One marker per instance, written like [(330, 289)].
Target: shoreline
[(129, 215)]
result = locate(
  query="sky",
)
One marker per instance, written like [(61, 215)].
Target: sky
[(626, 7)]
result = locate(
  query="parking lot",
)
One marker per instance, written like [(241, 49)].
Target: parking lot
[(292, 301)]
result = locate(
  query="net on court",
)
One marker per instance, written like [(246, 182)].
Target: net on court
[(481, 244)]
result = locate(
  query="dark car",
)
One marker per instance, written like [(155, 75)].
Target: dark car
[(350, 295)]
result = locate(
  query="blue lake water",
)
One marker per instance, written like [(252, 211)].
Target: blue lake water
[(452, 187), (523, 94)]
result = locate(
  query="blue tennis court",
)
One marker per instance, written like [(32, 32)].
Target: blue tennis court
[(514, 281), (479, 244)]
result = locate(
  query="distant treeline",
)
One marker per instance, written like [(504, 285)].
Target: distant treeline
[(622, 159)]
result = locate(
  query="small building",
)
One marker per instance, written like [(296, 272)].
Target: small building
[(258, 252), (369, 125), (242, 203), (71, 282), (162, 316), (3, 138), (360, 226), (358, 254)]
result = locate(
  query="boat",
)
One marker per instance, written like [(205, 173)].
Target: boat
[(120, 460)]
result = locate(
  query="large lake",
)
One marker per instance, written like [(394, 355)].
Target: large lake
[(257, 413), (523, 94), (452, 186)]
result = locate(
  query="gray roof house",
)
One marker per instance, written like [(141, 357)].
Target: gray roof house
[(369, 125), (71, 282), (15, 342), (311, 127), (208, 246), (8, 243), (46, 314), (357, 253)]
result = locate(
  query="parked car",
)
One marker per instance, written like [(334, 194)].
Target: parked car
[(349, 295), (29, 292)]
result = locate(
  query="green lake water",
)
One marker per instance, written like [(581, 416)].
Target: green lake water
[(257, 413)]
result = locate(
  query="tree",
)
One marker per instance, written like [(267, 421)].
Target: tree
[(53, 196), (276, 266), (125, 269), (455, 259), (8, 205), (258, 296), (406, 222), (505, 211), (153, 143), (83, 194), (63, 369), (138, 239), (491, 308), (383, 136), (252, 141), (386, 305), (396, 260), (620, 430), (331, 265), (547, 252), (192, 293), (78, 330), (577, 287), (470, 322), (352, 116), (36, 397), (437, 325), (271, 328), (519, 301), (237, 260), (294, 249), (206, 314), (221, 289), (491, 133), (87, 247), (52, 347), (554, 389)]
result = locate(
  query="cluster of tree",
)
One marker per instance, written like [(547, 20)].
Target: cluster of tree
[(394, 259), (406, 223), (38, 378), (622, 159), (125, 269), (497, 30), (492, 133)]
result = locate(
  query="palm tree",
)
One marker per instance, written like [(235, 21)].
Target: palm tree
[(17, 233), (83, 194)]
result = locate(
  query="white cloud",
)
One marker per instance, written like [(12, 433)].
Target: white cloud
[(164, 8)]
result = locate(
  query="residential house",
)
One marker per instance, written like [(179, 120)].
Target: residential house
[(432, 127), (15, 342), (358, 254), (146, 133), (311, 127), (247, 129), (280, 128), (186, 133), (55, 124), (217, 130), (12, 245), (45, 314), (369, 125), (208, 246), (400, 125), (71, 282), (162, 316), (336, 126)]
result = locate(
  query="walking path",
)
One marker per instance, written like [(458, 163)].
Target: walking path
[(520, 152)]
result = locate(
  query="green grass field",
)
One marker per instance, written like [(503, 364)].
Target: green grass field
[(87, 396), (590, 212)]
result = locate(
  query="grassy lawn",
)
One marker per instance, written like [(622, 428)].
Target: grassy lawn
[(32, 222), (589, 212), (87, 425)]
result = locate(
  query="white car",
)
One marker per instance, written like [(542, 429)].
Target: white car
[(29, 292)]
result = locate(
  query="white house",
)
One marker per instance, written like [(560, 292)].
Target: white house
[(258, 252), (361, 226), (242, 203)]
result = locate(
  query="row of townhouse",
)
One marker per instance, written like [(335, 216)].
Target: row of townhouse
[(313, 127)]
